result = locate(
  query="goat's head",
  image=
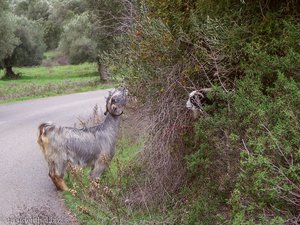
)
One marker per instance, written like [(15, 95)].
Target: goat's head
[(116, 101), (194, 101), (197, 99)]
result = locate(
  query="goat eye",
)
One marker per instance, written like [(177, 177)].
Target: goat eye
[(193, 100), (113, 101)]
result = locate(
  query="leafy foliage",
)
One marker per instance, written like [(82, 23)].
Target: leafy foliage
[(8, 40), (246, 147), (76, 40), (105, 16), (60, 13), (30, 51), (250, 148), (270, 166), (22, 43), (33, 9)]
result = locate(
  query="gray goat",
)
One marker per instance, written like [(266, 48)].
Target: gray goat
[(93, 147)]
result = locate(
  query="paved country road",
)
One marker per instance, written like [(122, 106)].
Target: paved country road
[(27, 195)]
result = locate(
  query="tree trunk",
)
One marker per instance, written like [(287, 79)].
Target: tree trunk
[(9, 73), (102, 70)]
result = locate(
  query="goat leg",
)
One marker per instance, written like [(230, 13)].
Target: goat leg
[(57, 179), (59, 183), (99, 166)]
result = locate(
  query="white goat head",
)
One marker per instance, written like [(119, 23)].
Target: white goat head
[(197, 99)]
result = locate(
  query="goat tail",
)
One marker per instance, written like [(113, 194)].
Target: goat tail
[(43, 129)]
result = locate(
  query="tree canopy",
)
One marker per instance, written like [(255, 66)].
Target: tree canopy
[(21, 43), (76, 40), (8, 41)]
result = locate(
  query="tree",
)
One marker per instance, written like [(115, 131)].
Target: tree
[(21, 8), (76, 40), (109, 19), (30, 49), (41, 11), (33, 9), (77, 6), (38, 10), (60, 14), (8, 40)]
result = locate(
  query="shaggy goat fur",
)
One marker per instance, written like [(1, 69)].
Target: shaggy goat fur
[(93, 147)]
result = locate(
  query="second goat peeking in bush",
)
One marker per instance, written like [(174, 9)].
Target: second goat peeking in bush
[(198, 99)]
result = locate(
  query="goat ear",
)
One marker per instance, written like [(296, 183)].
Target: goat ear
[(205, 90), (122, 88), (111, 92)]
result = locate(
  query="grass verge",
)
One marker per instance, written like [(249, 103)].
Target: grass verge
[(112, 203), (37, 82), (106, 207)]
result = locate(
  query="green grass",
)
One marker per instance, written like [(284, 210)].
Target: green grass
[(36, 82), (108, 207)]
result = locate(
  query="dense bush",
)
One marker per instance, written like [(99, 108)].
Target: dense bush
[(82, 50), (249, 148), (246, 149), (33, 9), (270, 163)]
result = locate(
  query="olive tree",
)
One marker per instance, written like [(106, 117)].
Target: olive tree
[(30, 48), (60, 14), (76, 40), (33, 9), (109, 19), (8, 40)]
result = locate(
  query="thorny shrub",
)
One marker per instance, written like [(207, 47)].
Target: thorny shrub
[(248, 149), (157, 61), (246, 51)]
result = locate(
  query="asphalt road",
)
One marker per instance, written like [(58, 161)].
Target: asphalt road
[(27, 195)]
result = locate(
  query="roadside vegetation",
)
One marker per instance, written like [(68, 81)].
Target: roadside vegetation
[(47, 48), (37, 82), (238, 162), (110, 203)]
